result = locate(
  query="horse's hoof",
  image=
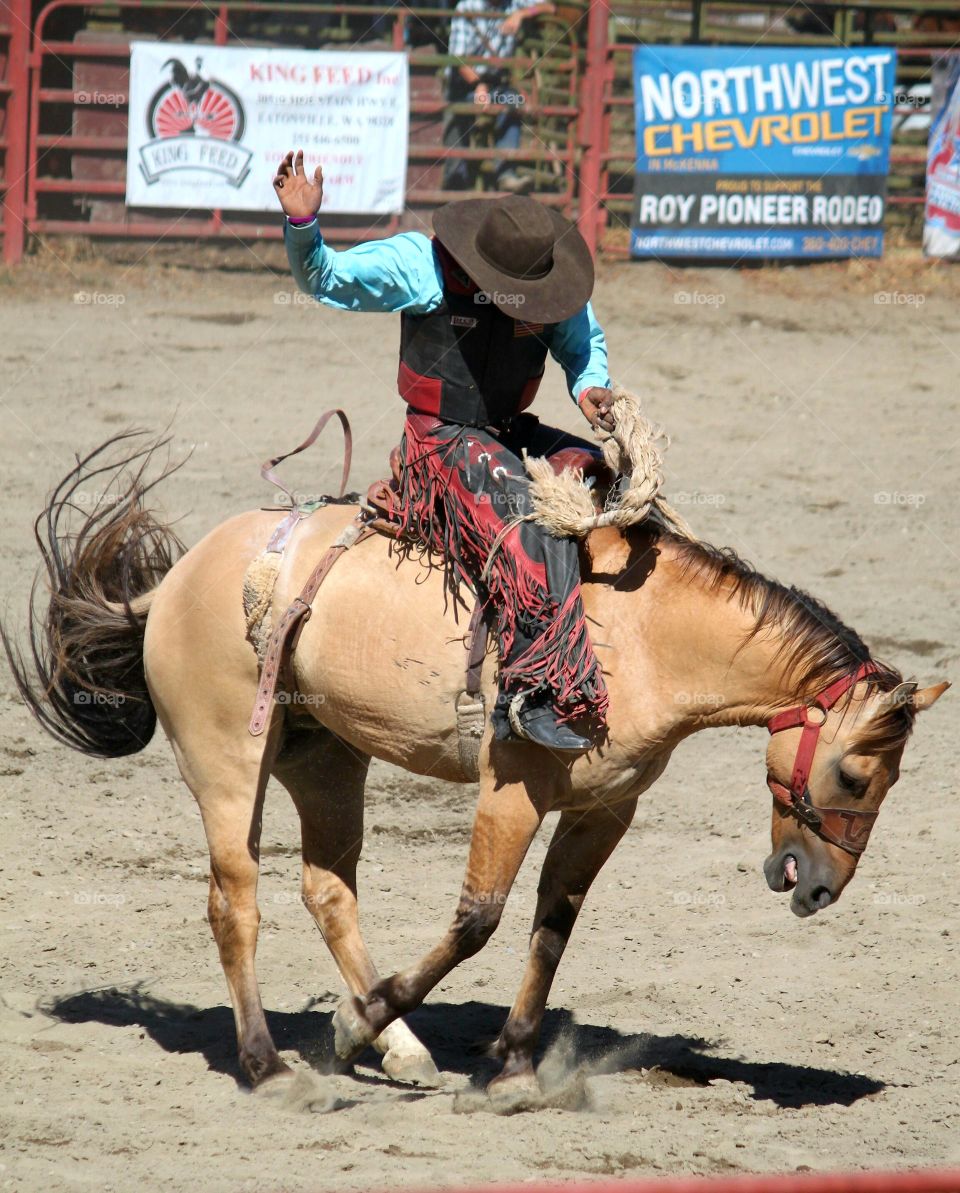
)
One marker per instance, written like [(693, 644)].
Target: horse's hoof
[(300, 1093), (346, 1036), (511, 1095), (412, 1068), (260, 1070), (504, 1095)]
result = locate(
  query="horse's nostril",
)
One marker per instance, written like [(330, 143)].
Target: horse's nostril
[(821, 897)]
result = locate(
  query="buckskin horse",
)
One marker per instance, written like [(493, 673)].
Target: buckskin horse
[(135, 631)]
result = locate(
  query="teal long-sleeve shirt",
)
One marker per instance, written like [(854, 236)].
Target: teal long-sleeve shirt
[(403, 273)]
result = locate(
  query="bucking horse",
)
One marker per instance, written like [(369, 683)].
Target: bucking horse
[(128, 628)]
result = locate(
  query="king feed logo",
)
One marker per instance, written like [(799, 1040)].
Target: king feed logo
[(194, 124)]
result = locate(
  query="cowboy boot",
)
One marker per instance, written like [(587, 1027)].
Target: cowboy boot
[(537, 722)]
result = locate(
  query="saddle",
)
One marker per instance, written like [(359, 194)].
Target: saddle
[(380, 513)]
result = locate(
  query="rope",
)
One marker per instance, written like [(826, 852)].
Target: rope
[(633, 450)]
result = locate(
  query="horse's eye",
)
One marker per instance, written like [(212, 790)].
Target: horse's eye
[(851, 783)]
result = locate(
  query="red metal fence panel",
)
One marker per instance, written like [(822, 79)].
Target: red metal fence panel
[(69, 141), (14, 42), (79, 83)]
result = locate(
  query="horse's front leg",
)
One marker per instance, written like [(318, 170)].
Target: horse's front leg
[(581, 844), (507, 818)]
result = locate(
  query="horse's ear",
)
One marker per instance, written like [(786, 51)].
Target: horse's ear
[(927, 696), (903, 693)]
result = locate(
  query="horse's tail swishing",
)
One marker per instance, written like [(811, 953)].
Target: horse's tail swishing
[(83, 676)]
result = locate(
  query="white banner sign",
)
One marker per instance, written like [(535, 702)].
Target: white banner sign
[(209, 124), (941, 232)]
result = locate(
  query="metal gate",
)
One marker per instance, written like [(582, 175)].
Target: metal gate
[(76, 140), (14, 43), (64, 75)]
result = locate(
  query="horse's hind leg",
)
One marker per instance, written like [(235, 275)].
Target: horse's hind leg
[(227, 776), (326, 778)]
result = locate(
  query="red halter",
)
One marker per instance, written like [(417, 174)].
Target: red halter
[(848, 828)]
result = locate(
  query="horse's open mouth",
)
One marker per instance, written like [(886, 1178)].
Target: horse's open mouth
[(781, 871)]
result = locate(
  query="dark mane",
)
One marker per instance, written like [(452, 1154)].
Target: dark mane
[(817, 648)]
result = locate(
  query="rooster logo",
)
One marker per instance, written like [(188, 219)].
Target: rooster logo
[(191, 105), (195, 124)]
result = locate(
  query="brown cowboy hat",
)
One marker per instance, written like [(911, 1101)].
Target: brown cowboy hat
[(532, 262)]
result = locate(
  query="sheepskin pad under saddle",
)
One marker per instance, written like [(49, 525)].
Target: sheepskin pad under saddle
[(381, 513)]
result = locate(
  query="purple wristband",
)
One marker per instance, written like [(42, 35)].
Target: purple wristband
[(299, 220)]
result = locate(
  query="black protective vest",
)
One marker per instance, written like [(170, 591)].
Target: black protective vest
[(467, 362)]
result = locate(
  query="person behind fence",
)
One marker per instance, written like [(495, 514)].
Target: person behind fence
[(502, 283), (482, 84)]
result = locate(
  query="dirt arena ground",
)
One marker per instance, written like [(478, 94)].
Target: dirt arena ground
[(814, 416)]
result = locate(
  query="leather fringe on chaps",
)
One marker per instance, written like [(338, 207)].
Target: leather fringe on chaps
[(460, 488)]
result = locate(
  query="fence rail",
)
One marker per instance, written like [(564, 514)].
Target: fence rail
[(76, 131), (64, 81), (14, 43)]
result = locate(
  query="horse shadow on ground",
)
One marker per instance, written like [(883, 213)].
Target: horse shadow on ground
[(458, 1037)]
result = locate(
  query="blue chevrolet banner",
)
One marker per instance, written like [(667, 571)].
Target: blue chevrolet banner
[(749, 152)]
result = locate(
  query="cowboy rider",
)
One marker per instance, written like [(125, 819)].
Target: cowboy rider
[(501, 283)]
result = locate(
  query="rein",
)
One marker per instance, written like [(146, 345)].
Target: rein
[(848, 828)]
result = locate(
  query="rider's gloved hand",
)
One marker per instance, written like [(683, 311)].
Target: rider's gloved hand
[(596, 405)]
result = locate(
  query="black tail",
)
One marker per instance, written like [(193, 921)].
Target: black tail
[(83, 677)]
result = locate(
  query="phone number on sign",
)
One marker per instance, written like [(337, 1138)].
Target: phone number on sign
[(839, 244)]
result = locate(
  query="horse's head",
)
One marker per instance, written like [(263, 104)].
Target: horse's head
[(829, 766)]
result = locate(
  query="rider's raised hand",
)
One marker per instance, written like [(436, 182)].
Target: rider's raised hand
[(300, 196), (597, 407)]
